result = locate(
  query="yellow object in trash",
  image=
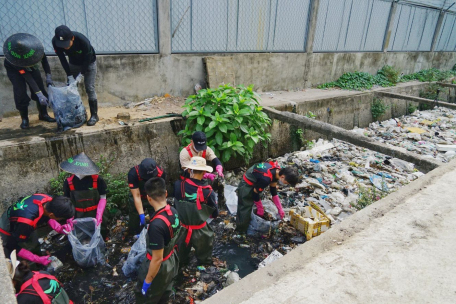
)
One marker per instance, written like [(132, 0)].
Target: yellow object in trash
[(309, 221), (427, 122), (416, 130)]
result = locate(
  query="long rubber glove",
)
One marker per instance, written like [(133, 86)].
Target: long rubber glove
[(25, 254), (219, 170), (62, 229), (260, 209), (277, 203), (209, 176), (100, 210)]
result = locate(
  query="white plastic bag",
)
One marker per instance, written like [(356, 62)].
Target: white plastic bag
[(136, 255), (231, 199), (67, 106), (88, 245)]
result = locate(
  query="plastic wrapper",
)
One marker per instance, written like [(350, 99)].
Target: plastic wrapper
[(88, 245), (136, 256), (67, 106)]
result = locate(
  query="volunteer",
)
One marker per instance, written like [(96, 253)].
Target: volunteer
[(35, 287), (137, 177), (81, 55), (23, 52), (195, 203), (161, 265), (20, 220), (86, 189), (254, 181), (198, 147)]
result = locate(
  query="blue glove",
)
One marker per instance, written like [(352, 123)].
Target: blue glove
[(142, 218), (42, 99), (145, 287)]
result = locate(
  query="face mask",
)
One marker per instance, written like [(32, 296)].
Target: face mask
[(192, 174)]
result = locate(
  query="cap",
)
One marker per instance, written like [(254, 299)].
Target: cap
[(11, 263), (63, 36), (23, 50), (199, 163), (199, 141), (80, 164), (148, 168)]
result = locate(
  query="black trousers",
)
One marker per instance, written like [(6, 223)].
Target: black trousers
[(21, 98)]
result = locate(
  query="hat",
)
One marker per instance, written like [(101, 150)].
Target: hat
[(11, 263), (199, 141), (23, 50), (63, 36), (199, 163), (80, 164), (147, 168)]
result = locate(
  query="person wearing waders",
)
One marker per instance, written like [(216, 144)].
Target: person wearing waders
[(86, 189), (82, 57), (195, 203), (161, 265), (138, 203), (23, 52), (35, 287), (198, 147), (254, 181), (19, 221)]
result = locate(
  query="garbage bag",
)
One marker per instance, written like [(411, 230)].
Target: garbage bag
[(136, 255), (259, 226), (231, 199), (67, 105), (88, 245)]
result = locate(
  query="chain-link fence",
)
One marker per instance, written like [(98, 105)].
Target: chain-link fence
[(112, 26), (447, 36), (239, 25), (351, 25), (413, 28)]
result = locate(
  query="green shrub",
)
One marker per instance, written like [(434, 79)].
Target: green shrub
[(367, 197), (411, 108), (232, 119), (388, 76), (56, 184), (378, 108), (428, 75)]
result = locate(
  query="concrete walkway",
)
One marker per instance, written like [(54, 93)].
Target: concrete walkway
[(401, 249)]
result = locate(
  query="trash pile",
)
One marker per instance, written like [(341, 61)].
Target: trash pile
[(430, 133)]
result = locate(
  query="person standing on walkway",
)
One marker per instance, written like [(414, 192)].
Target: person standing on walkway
[(82, 57), (195, 203), (161, 265), (138, 203), (254, 181), (198, 147), (86, 189), (23, 52)]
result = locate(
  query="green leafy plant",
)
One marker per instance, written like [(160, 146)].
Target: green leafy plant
[(56, 184), (367, 196), (433, 92), (411, 108), (378, 108), (232, 119), (310, 115), (387, 76)]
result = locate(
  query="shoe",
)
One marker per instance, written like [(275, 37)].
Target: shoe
[(44, 116), (25, 120), (93, 112)]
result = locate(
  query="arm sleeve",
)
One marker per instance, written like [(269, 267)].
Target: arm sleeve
[(184, 158), (156, 233), (210, 155), (45, 64), (133, 182), (66, 189), (216, 162), (62, 58), (273, 190), (31, 82), (212, 202), (261, 183), (102, 187)]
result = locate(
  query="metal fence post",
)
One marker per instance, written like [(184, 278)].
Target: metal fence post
[(313, 16), (389, 26), (437, 30), (164, 27)]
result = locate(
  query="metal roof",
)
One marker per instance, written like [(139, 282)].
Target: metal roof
[(433, 3)]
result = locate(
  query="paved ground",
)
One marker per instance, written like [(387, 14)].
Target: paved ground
[(399, 250)]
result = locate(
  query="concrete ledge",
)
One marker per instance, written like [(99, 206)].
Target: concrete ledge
[(418, 99), (7, 294)]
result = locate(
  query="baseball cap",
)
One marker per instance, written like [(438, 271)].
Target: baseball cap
[(199, 140), (63, 36), (147, 168)]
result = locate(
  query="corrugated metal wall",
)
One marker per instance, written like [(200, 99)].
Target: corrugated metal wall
[(447, 36)]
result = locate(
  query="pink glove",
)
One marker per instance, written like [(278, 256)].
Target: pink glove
[(62, 229), (219, 170), (260, 209), (277, 203), (100, 210), (27, 255), (209, 176)]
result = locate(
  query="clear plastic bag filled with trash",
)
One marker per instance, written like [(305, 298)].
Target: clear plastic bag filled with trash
[(67, 105), (136, 255), (88, 245), (264, 225)]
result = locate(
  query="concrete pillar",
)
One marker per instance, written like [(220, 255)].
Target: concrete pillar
[(164, 27), (315, 4), (437, 30), (389, 26)]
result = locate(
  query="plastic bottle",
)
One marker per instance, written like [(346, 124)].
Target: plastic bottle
[(55, 263)]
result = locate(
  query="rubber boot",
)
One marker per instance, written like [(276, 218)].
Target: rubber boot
[(93, 112), (25, 120), (44, 114)]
